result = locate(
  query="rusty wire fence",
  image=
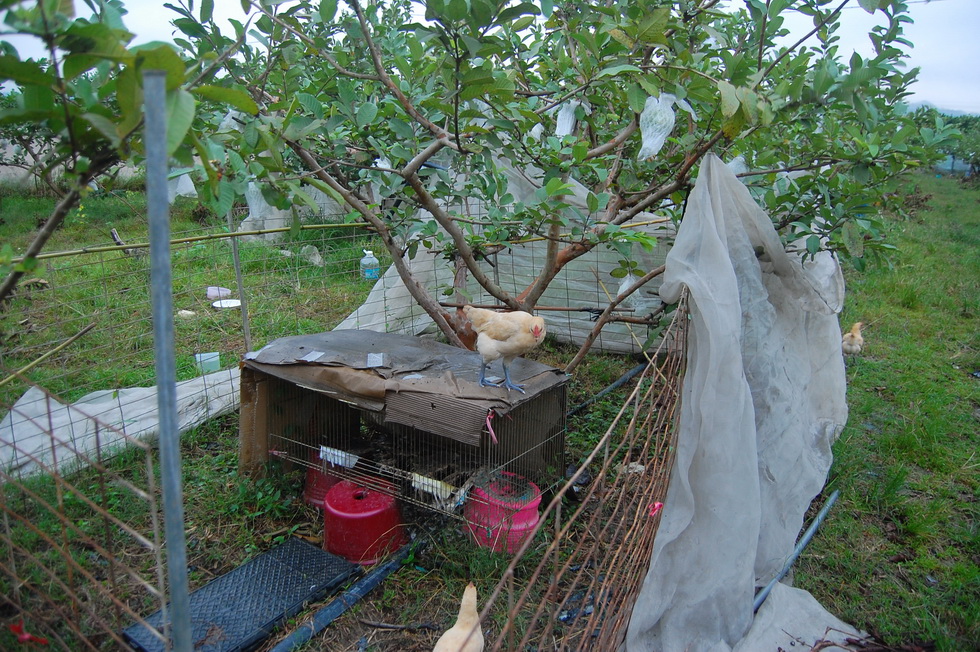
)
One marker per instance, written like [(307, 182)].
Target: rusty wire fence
[(580, 594), (80, 511)]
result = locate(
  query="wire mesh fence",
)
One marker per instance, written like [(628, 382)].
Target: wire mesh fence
[(81, 542), (80, 537), (581, 593)]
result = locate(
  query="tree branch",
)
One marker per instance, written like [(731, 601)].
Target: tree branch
[(392, 87), (419, 293), (53, 222), (606, 314), (463, 247)]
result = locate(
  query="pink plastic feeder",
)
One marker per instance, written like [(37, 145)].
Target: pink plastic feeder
[(318, 482), (361, 524), (502, 514)]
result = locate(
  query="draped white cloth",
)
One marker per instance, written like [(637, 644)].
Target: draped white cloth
[(762, 402)]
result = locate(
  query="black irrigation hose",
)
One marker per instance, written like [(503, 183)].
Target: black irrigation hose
[(322, 618), (624, 379)]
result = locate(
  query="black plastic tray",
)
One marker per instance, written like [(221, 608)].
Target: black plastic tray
[(240, 609)]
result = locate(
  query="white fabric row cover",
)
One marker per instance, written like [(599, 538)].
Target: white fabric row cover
[(762, 402)]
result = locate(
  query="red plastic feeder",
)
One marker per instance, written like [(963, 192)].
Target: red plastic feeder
[(502, 514), (361, 524), (318, 482)]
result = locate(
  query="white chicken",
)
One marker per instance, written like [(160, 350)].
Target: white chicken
[(852, 342), (465, 635), (504, 336)]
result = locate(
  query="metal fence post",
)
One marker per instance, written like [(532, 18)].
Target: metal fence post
[(237, 260), (161, 293)]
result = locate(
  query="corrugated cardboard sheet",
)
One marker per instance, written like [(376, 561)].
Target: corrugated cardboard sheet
[(415, 382)]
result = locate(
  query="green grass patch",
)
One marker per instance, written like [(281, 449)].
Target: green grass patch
[(900, 554), (287, 292)]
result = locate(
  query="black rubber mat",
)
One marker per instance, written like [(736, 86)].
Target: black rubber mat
[(241, 608)]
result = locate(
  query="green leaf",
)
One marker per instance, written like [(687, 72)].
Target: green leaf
[(636, 97), (547, 6), (525, 9), (622, 37), (612, 71), (869, 6), (300, 126), (853, 239), (653, 27), (23, 72), (306, 199), (180, 115), (861, 173), (813, 244), (225, 197), (777, 6), (328, 9), (311, 104), (729, 99), (366, 113), (207, 10), (456, 10), (522, 23), (38, 98), (104, 126), (163, 57), (556, 187), (592, 202), (190, 28), (233, 96)]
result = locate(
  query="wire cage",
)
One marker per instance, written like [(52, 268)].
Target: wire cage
[(502, 456)]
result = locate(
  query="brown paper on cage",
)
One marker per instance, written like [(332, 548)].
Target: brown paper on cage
[(420, 383)]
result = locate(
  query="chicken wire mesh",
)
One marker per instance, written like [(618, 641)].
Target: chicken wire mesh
[(81, 554), (80, 539), (80, 492)]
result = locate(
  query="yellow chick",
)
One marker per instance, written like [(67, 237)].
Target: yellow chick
[(852, 342), (466, 635)]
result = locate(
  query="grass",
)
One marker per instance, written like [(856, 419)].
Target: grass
[(900, 554), (112, 290)]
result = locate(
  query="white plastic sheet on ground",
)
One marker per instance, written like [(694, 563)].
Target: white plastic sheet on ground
[(41, 433), (762, 402)]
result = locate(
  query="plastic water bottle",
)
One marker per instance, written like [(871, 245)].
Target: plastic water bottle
[(370, 267)]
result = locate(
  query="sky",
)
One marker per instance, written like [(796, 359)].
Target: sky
[(946, 46)]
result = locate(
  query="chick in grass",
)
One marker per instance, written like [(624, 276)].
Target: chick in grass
[(465, 635)]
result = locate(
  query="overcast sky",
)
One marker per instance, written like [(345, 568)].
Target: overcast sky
[(944, 35)]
